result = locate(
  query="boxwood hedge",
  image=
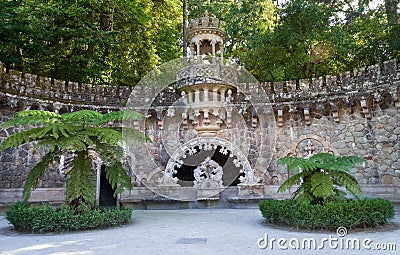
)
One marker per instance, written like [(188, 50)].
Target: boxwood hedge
[(45, 218), (331, 215)]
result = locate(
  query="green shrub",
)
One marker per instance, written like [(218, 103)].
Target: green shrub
[(44, 218), (333, 214)]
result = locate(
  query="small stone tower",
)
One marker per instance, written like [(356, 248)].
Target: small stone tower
[(205, 37)]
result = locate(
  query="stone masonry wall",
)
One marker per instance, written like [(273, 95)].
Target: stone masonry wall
[(376, 140), (16, 164), (354, 113)]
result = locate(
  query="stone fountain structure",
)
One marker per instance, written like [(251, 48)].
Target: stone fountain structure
[(205, 138)]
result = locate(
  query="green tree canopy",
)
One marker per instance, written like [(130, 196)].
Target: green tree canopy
[(100, 42), (320, 37), (117, 42)]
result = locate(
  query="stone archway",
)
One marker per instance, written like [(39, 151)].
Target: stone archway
[(216, 155), (196, 151)]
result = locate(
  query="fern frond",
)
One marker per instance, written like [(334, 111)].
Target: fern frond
[(117, 177), (302, 194), (292, 180), (295, 164), (89, 131), (56, 130), (322, 157), (109, 136), (329, 162), (117, 116), (32, 117), (62, 130), (132, 115), (17, 139), (287, 160), (109, 153), (81, 181), (134, 137), (67, 130), (37, 134), (349, 183), (75, 143), (354, 160), (49, 142), (37, 113), (34, 175), (321, 185), (80, 117)]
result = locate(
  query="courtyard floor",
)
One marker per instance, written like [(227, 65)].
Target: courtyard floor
[(199, 231)]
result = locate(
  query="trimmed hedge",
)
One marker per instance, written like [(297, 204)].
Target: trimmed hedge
[(333, 214), (44, 218)]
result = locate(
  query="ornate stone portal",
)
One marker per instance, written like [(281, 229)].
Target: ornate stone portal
[(211, 125)]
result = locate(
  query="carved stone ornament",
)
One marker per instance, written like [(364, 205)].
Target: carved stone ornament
[(208, 175)]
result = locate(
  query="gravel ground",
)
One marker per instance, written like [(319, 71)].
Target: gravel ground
[(200, 231)]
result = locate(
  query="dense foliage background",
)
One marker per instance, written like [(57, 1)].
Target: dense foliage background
[(118, 41)]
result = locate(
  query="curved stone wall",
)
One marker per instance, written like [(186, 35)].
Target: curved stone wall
[(353, 113)]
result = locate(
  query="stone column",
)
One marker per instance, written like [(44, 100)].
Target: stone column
[(213, 47), (98, 173), (223, 95), (222, 52), (198, 52), (196, 96), (215, 95), (191, 52), (189, 97), (205, 94)]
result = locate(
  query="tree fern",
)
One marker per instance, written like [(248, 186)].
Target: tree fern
[(76, 135), (319, 175)]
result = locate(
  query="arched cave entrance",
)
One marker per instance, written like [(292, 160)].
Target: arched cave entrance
[(231, 173), (106, 198)]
